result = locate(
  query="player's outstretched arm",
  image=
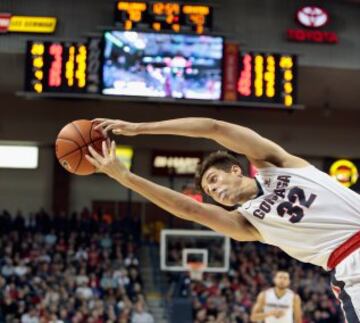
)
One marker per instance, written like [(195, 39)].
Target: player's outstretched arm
[(259, 150), (231, 224)]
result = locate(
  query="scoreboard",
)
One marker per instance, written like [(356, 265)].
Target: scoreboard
[(63, 66), (240, 77), (75, 68), (56, 66), (267, 77), (164, 16)]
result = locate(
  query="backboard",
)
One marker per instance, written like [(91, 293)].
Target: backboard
[(180, 247)]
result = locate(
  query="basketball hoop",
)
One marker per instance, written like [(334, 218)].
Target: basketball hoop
[(196, 270)]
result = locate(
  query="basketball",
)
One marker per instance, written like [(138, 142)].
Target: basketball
[(72, 145)]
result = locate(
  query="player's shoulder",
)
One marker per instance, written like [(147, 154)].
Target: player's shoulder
[(292, 161), (262, 296), (290, 291), (267, 294), (274, 170), (268, 290), (296, 296)]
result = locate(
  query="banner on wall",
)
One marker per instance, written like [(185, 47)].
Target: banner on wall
[(27, 24), (174, 163)]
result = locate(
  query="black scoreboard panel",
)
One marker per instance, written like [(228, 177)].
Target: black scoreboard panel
[(56, 66), (166, 16), (267, 77), (63, 67)]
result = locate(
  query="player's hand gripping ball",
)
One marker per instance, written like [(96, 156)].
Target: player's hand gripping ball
[(72, 145)]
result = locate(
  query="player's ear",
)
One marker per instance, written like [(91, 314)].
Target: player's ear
[(236, 170)]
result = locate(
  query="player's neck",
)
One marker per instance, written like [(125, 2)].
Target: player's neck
[(280, 292), (249, 189)]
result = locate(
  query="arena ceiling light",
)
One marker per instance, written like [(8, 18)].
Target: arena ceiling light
[(20, 157)]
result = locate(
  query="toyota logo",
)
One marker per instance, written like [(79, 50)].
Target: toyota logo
[(312, 17)]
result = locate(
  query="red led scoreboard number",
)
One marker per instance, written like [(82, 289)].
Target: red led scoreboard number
[(165, 16), (56, 67), (267, 78)]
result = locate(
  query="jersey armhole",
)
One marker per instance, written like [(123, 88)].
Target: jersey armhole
[(242, 211)]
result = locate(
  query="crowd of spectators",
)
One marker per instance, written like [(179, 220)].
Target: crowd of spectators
[(85, 268), (70, 269), (228, 298)]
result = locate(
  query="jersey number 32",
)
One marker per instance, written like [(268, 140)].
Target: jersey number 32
[(296, 205)]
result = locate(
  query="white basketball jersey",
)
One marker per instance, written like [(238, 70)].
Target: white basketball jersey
[(285, 303), (304, 212)]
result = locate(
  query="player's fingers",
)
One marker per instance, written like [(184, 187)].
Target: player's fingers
[(92, 161), (113, 150), (98, 120), (105, 149), (96, 123), (100, 125), (117, 131), (95, 154), (103, 124), (109, 127)]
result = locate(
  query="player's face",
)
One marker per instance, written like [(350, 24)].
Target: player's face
[(282, 280), (223, 187)]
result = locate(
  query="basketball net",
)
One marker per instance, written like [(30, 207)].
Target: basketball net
[(196, 270)]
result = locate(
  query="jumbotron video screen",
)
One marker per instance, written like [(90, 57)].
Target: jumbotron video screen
[(162, 65)]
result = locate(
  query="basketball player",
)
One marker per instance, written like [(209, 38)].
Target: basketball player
[(290, 204), (278, 304)]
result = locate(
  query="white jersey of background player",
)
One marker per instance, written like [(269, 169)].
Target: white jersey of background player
[(291, 205), (278, 304)]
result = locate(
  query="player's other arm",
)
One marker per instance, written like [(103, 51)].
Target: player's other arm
[(297, 309), (243, 140), (257, 312), (231, 224)]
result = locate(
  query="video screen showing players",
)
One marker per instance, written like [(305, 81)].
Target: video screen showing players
[(162, 65)]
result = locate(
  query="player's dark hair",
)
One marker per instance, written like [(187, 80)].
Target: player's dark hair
[(219, 159), (281, 271)]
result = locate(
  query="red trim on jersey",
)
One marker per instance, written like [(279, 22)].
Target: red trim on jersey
[(345, 249), (336, 290)]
